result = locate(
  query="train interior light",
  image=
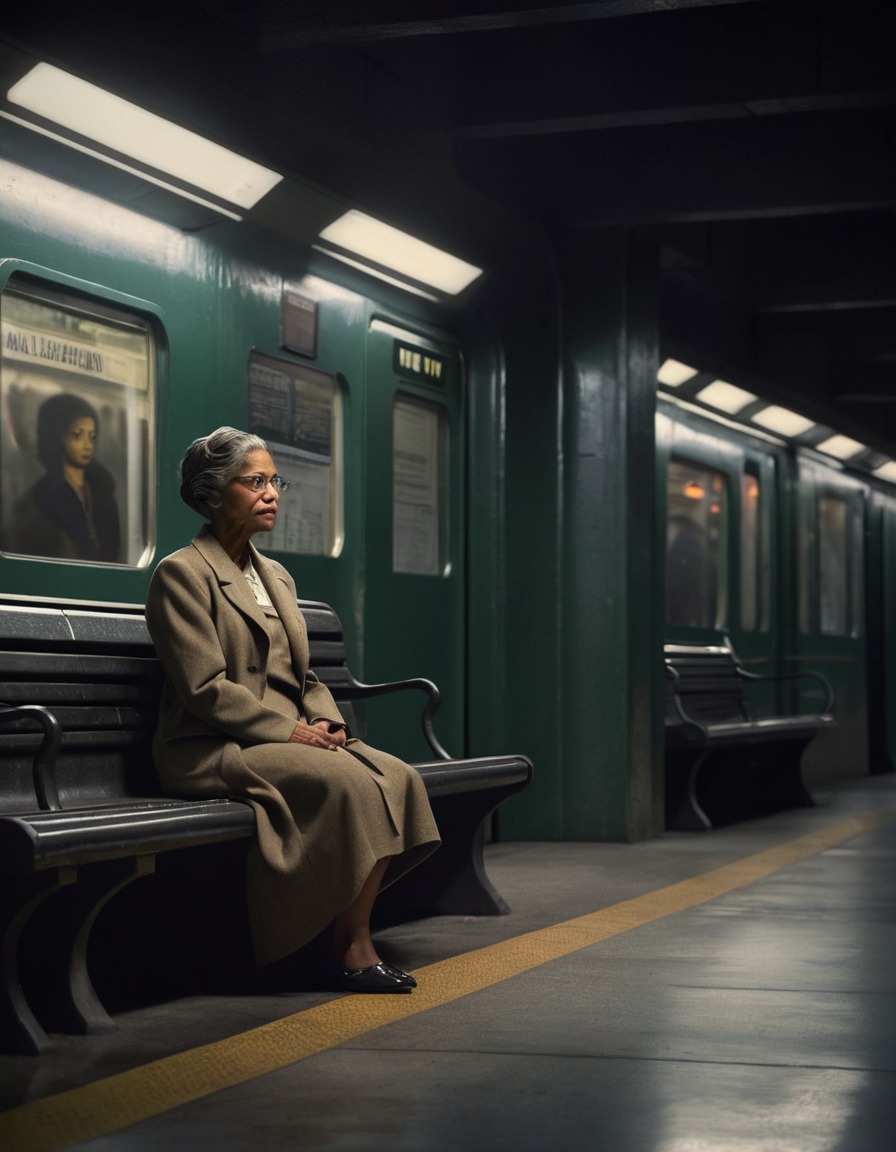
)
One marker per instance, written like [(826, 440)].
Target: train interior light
[(674, 373), (726, 397), (377, 246), (124, 128)]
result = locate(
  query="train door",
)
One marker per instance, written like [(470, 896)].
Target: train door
[(830, 613), (414, 610)]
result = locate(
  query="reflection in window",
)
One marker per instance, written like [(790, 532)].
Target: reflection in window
[(856, 553), (833, 585), (831, 575), (298, 411), (419, 455), (750, 551), (77, 386), (696, 514)]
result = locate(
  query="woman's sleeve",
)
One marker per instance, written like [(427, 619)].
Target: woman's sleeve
[(180, 621), (318, 703)]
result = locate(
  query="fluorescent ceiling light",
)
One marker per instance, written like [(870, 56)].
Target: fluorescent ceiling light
[(840, 446), (124, 127), (887, 471), (726, 397), (673, 373), (403, 284), (147, 176), (782, 421), (406, 255)]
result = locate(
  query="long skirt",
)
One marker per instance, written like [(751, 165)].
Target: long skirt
[(324, 820)]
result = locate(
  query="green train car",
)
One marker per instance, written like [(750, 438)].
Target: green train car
[(160, 336), (458, 488), (787, 556)]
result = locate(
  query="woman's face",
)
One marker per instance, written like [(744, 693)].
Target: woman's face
[(79, 442), (237, 509)]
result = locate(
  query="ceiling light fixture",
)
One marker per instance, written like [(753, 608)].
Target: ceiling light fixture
[(380, 275), (380, 246), (841, 447), (673, 373), (887, 471), (726, 397), (142, 136), (782, 421)]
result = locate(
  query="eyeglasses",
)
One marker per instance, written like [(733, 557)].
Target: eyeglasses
[(259, 483)]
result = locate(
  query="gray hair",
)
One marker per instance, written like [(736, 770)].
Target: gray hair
[(211, 462)]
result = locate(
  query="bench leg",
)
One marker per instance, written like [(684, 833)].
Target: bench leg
[(18, 901), (683, 810), (735, 783), (787, 788), (453, 881), (71, 1003)]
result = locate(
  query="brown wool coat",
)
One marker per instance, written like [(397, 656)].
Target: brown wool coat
[(324, 818)]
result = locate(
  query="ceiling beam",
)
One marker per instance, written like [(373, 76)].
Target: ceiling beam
[(285, 27), (744, 169)]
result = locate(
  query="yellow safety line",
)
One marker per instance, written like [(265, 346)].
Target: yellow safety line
[(119, 1101)]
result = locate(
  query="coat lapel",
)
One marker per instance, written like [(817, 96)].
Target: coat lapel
[(233, 584)]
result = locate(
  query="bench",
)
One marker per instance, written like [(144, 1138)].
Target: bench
[(82, 814), (722, 762)]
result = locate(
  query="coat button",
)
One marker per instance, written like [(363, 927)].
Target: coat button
[(252, 668)]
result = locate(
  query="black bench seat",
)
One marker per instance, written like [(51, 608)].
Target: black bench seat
[(82, 814), (722, 762), (38, 841)]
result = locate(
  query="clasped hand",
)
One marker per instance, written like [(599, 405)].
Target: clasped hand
[(318, 735)]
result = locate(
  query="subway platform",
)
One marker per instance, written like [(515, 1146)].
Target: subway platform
[(733, 991)]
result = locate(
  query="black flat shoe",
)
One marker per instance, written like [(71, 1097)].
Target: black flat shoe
[(404, 977), (376, 978)]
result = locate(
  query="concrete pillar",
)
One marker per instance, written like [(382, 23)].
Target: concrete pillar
[(611, 586)]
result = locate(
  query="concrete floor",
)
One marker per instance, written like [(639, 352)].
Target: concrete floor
[(763, 1018)]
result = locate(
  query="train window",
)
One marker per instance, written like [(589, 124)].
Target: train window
[(833, 576), (298, 411), (831, 588), (857, 567), (751, 590), (696, 517), (77, 392), (419, 456)]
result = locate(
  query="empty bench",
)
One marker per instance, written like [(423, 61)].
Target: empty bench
[(82, 814), (722, 762)]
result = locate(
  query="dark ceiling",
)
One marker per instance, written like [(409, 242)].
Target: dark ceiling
[(757, 137)]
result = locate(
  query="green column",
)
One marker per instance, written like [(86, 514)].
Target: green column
[(611, 582), (575, 569)]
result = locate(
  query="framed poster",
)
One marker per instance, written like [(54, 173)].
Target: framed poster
[(77, 395), (418, 488), (298, 411), (298, 323)]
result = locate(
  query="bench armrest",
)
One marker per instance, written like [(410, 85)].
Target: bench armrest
[(358, 691), (43, 770), (672, 674), (812, 675)]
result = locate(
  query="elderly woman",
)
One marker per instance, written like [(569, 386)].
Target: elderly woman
[(243, 716)]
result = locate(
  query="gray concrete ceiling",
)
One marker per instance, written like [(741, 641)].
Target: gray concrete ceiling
[(756, 137)]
